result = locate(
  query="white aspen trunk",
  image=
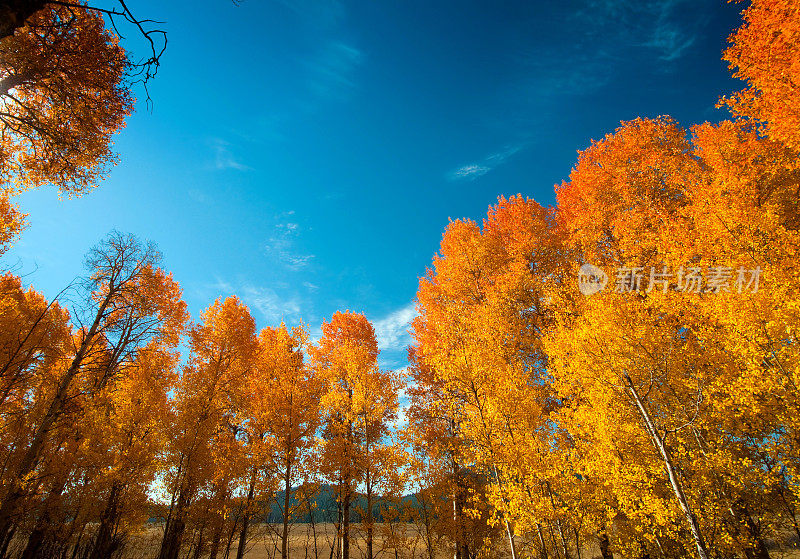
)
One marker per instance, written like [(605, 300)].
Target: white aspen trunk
[(677, 486)]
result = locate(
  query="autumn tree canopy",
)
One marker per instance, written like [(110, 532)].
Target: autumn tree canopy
[(65, 90), (655, 416)]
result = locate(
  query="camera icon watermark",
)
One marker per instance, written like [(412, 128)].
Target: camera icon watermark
[(591, 279), (689, 279)]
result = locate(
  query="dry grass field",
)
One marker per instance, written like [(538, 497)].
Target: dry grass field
[(396, 541), (400, 541), (306, 542)]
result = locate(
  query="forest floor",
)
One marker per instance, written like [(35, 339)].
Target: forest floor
[(401, 541), (395, 541)]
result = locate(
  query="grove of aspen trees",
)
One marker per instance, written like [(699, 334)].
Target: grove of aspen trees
[(656, 418)]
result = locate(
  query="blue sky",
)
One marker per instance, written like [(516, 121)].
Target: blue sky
[(307, 155)]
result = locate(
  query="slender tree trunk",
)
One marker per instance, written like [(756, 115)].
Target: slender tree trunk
[(36, 539), (216, 539), (173, 533), (199, 549), (789, 508), (31, 457), (8, 536), (369, 517), (348, 492), (108, 520), (759, 549), (559, 525), (337, 540), (230, 537), (462, 526), (456, 524), (313, 523), (287, 495), (246, 518), (605, 546), (346, 525), (314, 533), (542, 543), (677, 486), (76, 548), (43, 530), (426, 520), (509, 533), (553, 540), (564, 546)]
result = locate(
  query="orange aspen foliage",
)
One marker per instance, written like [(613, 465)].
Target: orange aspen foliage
[(282, 417), (623, 199), (64, 95), (222, 347), (119, 321), (359, 403), (765, 52)]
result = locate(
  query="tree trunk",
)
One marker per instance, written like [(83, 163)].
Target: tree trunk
[(457, 552), (560, 527), (200, 541), (103, 542), (216, 539), (35, 542), (76, 548), (43, 530), (287, 495), (230, 537), (462, 543), (369, 517), (246, 518), (346, 525), (347, 487), (31, 457), (542, 543), (677, 486), (789, 508), (337, 540), (605, 546), (509, 533), (564, 546), (426, 520), (759, 549), (173, 533), (8, 536)]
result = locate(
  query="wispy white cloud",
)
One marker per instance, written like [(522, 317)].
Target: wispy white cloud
[(331, 71), (220, 288), (471, 171), (667, 33), (474, 170), (224, 157), (282, 246), (392, 329), (669, 39), (273, 307)]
